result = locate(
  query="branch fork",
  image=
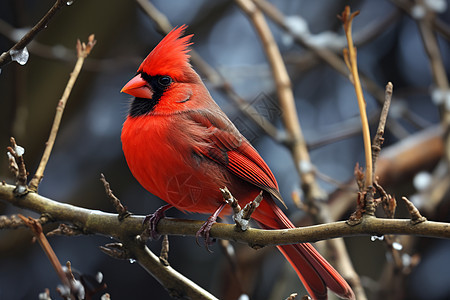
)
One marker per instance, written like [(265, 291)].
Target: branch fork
[(241, 216), (367, 184)]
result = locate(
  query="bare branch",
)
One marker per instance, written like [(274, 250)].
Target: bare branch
[(164, 255), (439, 72), (98, 222), (121, 210), (11, 222), (6, 58), (378, 139), (351, 61), (176, 284), (17, 167), (291, 122), (36, 228), (329, 57), (83, 51)]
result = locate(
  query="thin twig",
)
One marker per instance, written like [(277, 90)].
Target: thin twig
[(83, 51), (235, 267), (378, 139), (388, 202), (345, 266), (389, 241), (121, 210), (17, 166), (250, 207), (158, 17), (351, 61), (6, 58), (366, 204), (11, 222), (434, 54), (67, 55), (395, 163), (438, 24), (164, 255), (291, 122), (36, 228), (327, 56), (438, 70)]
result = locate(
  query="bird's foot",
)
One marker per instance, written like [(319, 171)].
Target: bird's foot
[(205, 230), (152, 221)]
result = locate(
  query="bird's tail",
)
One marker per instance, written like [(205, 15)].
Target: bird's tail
[(312, 269)]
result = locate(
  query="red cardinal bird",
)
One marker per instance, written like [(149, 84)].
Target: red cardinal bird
[(182, 147)]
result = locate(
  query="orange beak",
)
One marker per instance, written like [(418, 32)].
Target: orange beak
[(138, 87)]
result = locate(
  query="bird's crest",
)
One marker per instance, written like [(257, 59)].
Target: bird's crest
[(170, 56)]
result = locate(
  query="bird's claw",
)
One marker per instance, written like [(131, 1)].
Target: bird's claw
[(152, 221), (205, 231)]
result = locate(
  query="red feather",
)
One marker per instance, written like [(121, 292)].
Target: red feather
[(169, 56), (183, 148)]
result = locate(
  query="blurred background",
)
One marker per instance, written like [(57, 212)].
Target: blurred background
[(390, 48)]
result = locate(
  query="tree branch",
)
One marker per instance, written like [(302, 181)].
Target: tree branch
[(98, 222), (291, 122), (352, 64), (178, 286), (442, 85), (330, 58), (378, 139), (6, 58), (83, 51)]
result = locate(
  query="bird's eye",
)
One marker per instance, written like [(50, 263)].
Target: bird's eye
[(164, 81)]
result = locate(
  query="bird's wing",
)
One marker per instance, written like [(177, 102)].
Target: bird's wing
[(227, 146)]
